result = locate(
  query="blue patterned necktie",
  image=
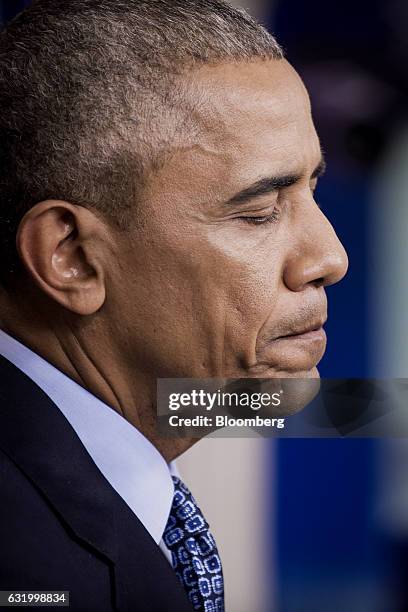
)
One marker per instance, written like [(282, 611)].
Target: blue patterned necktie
[(194, 553)]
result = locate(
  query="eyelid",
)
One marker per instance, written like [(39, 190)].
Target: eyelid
[(251, 209), (273, 217)]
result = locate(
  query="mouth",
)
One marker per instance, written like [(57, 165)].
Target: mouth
[(299, 350), (313, 333)]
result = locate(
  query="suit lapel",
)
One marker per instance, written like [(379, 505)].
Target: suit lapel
[(38, 438)]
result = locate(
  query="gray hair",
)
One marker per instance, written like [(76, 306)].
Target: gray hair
[(90, 97)]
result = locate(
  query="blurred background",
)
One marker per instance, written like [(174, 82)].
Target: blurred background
[(311, 525)]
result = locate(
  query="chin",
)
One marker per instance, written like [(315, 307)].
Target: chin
[(276, 371), (312, 373), (299, 387), (299, 391)]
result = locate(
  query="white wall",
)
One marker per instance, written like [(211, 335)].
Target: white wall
[(228, 478), (389, 269)]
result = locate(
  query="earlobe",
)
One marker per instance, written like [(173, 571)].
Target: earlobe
[(58, 245)]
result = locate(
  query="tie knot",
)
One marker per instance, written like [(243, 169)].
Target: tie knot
[(181, 493), (186, 520)]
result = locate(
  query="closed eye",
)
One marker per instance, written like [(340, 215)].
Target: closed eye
[(264, 219)]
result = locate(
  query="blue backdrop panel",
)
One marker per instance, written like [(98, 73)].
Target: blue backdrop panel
[(9, 8)]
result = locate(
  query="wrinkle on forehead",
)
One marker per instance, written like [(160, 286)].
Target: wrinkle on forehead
[(250, 119), (262, 87), (241, 104)]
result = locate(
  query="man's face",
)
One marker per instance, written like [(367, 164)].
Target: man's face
[(225, 270)]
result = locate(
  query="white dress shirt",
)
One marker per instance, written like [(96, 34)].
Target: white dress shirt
[(129, 462)]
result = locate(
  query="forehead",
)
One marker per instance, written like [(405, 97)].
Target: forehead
[(253, 120), (269, 92)]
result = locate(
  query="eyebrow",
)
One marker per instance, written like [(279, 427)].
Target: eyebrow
[(272, 183)]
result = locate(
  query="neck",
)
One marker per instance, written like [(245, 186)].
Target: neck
[(84, 350)]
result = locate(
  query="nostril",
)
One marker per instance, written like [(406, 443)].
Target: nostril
[(319, 282)]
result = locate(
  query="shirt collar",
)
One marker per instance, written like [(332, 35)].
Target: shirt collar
[(128, 460)]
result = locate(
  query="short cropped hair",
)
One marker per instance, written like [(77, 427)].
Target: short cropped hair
[(89, 98)]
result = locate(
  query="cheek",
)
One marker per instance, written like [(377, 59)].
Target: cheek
[(248, 266), (240, 283), (251, 296), (198, 300)]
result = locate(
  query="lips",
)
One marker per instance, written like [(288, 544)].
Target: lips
[(304, 331), (310, 336), (298, 350)]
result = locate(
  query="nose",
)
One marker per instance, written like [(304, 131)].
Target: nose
[(318, 258)]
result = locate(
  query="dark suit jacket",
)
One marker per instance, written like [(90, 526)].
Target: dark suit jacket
[(62, 525)]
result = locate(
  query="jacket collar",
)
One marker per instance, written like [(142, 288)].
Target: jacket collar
[(127, 459), (39, 439)]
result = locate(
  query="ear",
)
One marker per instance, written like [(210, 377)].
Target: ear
[(62, 248)]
